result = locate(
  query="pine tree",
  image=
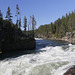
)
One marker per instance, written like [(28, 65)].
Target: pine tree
[(17, 14), (33, 22), (19, 22), (33, 25), (8, 15), (25, 23), (1, 16)]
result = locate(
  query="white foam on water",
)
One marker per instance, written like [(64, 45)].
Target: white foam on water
[(53, 61), (38, 39)]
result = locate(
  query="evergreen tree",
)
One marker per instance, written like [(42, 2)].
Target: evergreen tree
[(19, 22), (17, 14), (25, 23), (33, 24), (57, 23), (1, 16), (8, 15), (30, 23), (30, 26), (60, 27)]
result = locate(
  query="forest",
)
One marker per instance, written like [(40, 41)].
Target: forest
[(12, 37), (62, 27)]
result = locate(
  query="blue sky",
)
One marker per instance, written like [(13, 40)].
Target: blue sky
[(45, 11)]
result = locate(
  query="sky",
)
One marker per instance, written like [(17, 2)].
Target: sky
[(44, 11)]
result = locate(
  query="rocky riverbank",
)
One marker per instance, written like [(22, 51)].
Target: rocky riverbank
[(24, 44), (69, 40), (70, 71), (21, 47)]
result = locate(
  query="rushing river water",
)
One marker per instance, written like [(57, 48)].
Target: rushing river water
[(50, 58)]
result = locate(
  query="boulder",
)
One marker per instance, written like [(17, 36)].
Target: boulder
[(24, 44), (70, 71)]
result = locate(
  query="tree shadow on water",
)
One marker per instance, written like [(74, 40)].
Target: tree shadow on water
[(15, 54)]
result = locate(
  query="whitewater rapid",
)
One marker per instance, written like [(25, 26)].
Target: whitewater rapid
[(50, 60)]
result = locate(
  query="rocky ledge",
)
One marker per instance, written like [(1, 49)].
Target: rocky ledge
[(70, 71), (24, 44), (18, 48)]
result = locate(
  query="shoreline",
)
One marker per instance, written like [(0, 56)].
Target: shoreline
[(70, 41), (70, 71), (21, 47)]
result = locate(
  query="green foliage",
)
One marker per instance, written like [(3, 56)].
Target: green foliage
[(33, 22), (11, 37), (8, 15), (33, 25), (8, 30), (17, 8), (1, 16), (59, 28), (18, 21), (25, 23)]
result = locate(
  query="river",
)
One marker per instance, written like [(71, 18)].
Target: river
[(49, 58)]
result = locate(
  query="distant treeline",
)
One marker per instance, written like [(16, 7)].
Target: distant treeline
[(59, 28)]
